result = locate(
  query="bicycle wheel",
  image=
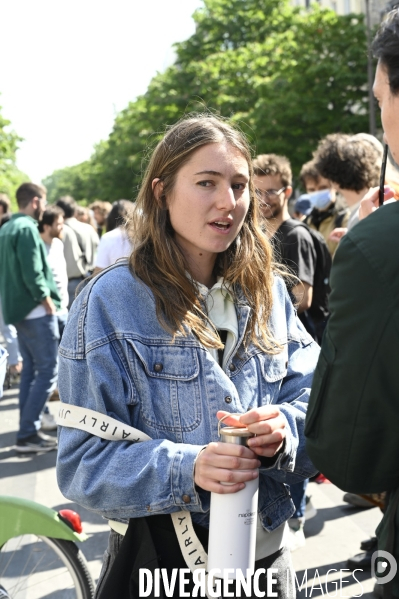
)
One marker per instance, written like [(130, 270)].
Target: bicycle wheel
[(33, 567)]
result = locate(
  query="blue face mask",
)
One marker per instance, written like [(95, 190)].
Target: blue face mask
[(321, 199)]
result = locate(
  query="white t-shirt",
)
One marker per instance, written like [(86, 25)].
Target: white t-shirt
[(56, 261), (113, 245)]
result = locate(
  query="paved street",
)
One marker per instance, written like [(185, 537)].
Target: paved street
[(333, 535)]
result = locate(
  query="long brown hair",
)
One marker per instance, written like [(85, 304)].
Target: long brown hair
[(247, 265)]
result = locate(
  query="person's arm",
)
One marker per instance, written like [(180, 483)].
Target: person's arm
[(300, 255), (117, 479), (303, 293), (31, 263), (280, 441)]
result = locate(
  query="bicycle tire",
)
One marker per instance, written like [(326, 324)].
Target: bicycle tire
[(44, 568)]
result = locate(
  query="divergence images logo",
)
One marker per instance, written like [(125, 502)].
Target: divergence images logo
[(383, 566)]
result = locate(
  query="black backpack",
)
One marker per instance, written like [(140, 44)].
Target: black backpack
[(321, 280)]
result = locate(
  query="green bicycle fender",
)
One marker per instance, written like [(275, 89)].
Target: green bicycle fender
[(21, 516)]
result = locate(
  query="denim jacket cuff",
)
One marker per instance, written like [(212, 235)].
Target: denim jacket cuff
[(184, 490), (285, 457)]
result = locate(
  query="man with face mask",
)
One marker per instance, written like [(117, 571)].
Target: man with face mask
[(30, 299), (327, 213)]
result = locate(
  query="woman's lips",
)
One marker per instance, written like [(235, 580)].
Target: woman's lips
[(221, 227)]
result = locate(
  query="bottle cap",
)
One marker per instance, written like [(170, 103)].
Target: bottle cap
[(233, 434)]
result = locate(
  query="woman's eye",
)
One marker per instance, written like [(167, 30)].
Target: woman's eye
[(239, 186), (205, 183)]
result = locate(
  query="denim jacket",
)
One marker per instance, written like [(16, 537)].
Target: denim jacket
[(117, 359)]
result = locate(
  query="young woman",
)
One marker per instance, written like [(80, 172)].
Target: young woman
[(196, 325)]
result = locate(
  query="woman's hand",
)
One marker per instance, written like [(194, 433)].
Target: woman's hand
[(267, 423), (225, 463), (370, 202)]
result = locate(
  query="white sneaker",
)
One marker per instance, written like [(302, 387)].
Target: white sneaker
[(48, 422), (296, 537)]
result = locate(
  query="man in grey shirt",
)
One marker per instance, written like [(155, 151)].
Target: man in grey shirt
[(80, 246)]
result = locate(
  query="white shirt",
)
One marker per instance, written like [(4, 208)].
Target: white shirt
[(113, 245), (56, 261)]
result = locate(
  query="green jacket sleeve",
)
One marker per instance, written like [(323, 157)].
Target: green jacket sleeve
[(30, 258)]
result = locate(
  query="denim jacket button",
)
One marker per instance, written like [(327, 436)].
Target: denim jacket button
[(232, 367), (186, 498), (158, 367), (228, 399), (268, 521)]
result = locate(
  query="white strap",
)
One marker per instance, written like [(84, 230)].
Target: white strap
[(98, 424), (110, 429)]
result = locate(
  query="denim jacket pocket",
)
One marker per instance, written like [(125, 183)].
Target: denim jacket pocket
[(167, 381), (273, 369)]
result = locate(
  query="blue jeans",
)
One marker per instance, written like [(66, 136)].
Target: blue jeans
[(38, 342), (298, 494)]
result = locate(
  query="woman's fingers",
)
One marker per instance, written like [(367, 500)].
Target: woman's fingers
[(215, 487), (259, 414), (231, 462), (237, 456), (227, 463), (229, 476), (268, 451), (230, 420), (265, 427)]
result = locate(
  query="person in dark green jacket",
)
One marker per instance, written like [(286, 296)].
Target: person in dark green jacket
[(30, 298), (353, 416)]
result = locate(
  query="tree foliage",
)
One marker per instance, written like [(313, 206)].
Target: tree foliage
[(287, 76), (10, 176)]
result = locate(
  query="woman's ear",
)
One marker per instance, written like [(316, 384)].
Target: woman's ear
[(157, 188)]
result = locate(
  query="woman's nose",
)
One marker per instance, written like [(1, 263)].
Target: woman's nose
[(226, 199)]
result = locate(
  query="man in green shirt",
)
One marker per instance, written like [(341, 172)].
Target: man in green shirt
[(30, 299)]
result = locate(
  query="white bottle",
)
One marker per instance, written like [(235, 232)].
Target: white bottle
[(233, 520)]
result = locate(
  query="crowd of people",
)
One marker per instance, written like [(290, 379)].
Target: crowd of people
[(216, 302), (45, 252)]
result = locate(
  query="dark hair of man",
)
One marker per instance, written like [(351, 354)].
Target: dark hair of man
[(348, 162), (68, 205), (51, 214), (26, 192), (120, 211), (272, 164), (385, 47), (5, 203), (309, 171)]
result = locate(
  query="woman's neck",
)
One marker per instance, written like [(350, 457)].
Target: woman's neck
[(202, 271)]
